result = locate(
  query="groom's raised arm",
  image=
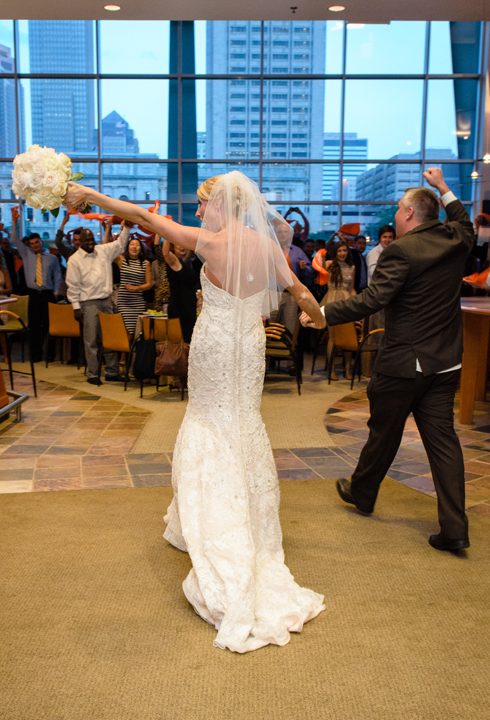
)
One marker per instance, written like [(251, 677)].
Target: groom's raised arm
[(389, 277)]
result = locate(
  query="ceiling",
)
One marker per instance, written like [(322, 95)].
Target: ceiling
[(374, 11)]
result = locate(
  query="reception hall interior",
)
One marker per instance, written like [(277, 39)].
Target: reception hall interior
[(333, 112)]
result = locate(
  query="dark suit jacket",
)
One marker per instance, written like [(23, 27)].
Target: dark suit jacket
[(418, 282), (358, 261)]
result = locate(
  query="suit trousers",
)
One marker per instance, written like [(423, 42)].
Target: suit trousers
[(38, 313), (91, 329), (431, 400)]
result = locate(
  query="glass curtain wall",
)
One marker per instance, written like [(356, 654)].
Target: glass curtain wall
[(335, 120)]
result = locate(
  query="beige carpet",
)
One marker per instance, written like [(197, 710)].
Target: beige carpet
[(94, 625), (292, 421)]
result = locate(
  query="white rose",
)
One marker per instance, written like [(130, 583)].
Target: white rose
[(38, 168), (34, 200), (34, 154), (52, 203), (17, 190), (60, 189), (48, 152), (51, 164), (50, 180), (35, 181), (44, 192)]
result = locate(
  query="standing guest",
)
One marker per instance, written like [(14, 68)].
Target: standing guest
[(309, 249), (182, 280), (417, 281), (134, 280), (301, 232), (9, 258), (89, 280), (386, 235), (360, 264), (66, 251), (5, 282), (340, 287), (159, 277), (319, 244), (43, 278), (287, 313)]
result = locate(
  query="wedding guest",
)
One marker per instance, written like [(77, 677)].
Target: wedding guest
[(5, 282), (43, 278), (309, 249), (301, 232), (182, 281), (135, 278), (159, 278), (66, 251), (340, 287), (386, 235), (89, 280), (360, 264)]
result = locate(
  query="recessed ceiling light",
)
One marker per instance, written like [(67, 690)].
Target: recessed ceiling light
[(112, 8), (336, 8), (474, 174), (354, 26)]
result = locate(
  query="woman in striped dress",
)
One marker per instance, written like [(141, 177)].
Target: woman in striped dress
[(135, 279)]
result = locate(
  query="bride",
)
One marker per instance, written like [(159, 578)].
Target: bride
[(225, 510)]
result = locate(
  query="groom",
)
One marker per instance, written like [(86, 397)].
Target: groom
[(418, 282)]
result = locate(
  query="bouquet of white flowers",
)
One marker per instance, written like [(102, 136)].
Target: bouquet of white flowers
[(41, 175)]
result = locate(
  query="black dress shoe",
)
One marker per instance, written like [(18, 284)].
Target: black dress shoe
[(115, 378), (94, 381), (344, 490), (441, 543)]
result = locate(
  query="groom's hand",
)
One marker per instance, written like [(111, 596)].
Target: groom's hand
[(435, 178)]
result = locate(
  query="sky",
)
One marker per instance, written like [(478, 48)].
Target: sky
[(388, 113)]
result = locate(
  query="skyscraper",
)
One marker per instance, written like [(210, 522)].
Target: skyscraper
[(292, 113), (8, 129), (354, 148), (63, 110), (117, 137)]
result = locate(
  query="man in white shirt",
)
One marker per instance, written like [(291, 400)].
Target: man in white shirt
[(89, 281)]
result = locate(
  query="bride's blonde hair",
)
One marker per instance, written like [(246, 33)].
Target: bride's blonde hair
[(204, 190)]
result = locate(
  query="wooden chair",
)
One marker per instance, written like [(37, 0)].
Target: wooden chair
[(17, 323), (321, 340), (115, 339), (281, 345), (346, 339), (62, 324)]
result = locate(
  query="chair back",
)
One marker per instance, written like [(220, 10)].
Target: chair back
[(114, 335), (164, 329), (345, 336), (62, 321), (20, 308)]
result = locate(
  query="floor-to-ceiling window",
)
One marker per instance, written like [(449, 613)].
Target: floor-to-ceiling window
[(332, 118)]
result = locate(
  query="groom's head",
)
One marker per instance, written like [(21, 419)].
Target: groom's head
[(418, 205)]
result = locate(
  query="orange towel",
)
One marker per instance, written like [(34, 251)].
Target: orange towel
[(478, 278), (323, 276)]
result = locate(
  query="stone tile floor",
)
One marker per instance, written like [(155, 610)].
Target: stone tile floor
[(72, 440)]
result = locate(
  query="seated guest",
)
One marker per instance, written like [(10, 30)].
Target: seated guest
[(135, 278), (182, 280), (360, 264), (159, 277), (386, 235), (43, 278), (89, 281)]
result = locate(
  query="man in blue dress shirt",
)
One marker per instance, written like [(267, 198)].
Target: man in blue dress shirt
[(43, 279)]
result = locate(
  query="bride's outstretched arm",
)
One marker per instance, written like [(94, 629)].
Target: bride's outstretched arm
[(307, 303), (172, 231)]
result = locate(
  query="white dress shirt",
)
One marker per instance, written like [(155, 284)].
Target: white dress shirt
[(89, 275)]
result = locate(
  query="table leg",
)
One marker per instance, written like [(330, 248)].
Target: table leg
[(475, 356)]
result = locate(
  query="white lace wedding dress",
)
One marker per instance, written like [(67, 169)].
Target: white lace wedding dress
[(226, 492)]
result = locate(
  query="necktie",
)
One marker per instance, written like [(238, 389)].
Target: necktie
[(39, 270)]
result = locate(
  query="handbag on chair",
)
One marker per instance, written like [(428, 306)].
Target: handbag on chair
[(172, 358), (145, 356)]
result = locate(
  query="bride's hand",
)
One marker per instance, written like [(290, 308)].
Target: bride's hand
[(306, 321), (77, 195)]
